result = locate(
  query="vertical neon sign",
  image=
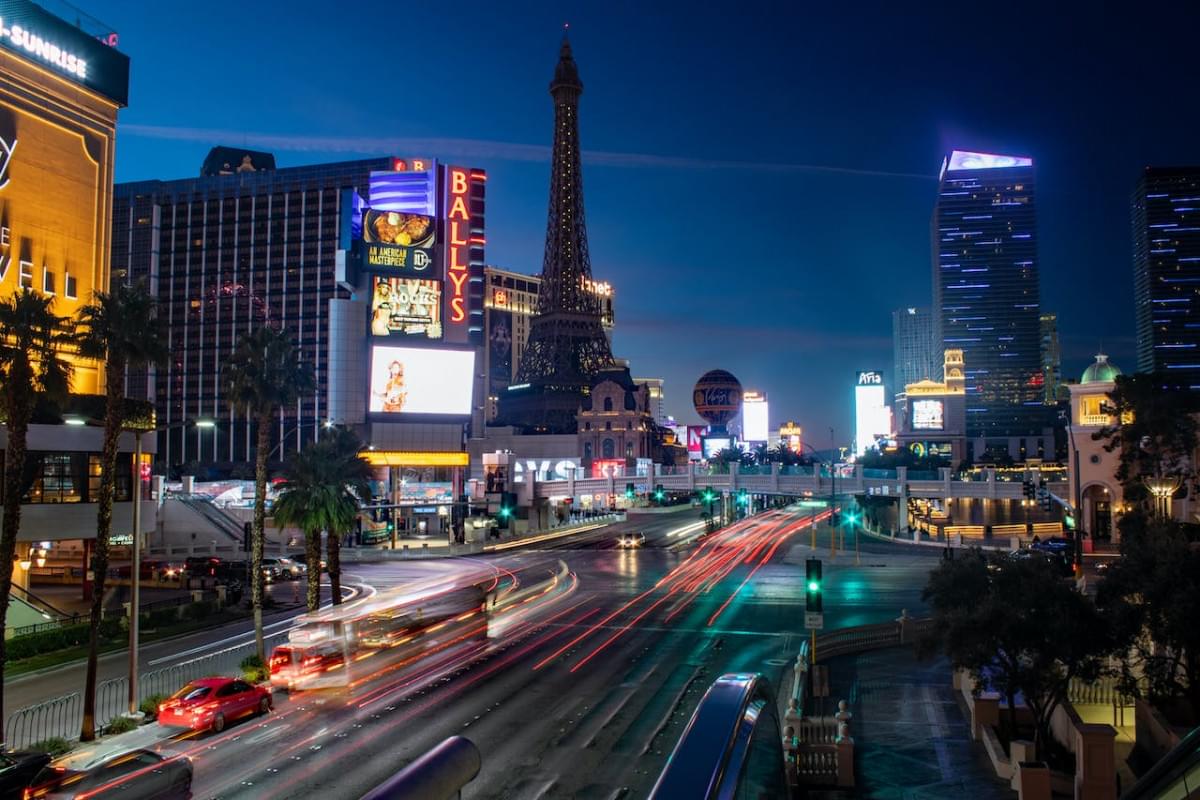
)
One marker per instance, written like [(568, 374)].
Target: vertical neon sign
[(458, 236)]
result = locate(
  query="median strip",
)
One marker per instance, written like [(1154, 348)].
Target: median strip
[(545, 537)]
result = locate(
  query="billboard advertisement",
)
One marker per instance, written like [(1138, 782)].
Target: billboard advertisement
[(608, 467), (755, 427), (871, 417), (500, 350), (406, 307), (715, 444), (928, 415), (399, 242), (421, 381), (695, 441)]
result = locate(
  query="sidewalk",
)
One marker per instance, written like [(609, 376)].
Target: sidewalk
[(910, 739)]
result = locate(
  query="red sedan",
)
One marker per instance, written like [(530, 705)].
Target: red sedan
[(212, 703)]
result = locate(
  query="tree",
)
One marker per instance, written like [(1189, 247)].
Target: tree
[(1155, 431), (264, 374), (320, 492), (730, 455), (31, 339), (353, 473), (763, 454), (121, 328), (1152, 598), (1019, 629)]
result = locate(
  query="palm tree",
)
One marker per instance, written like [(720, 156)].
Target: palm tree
[(31, 339), (763, 454), (121, 328), (352, 472), (264, 373), (320, 493)]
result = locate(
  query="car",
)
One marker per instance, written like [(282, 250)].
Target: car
[(282, 569), (633, 539), (17, 770), (200, 566), (212, 703), (129, 775), (1061, 562), (1058, 545), (302, 560)]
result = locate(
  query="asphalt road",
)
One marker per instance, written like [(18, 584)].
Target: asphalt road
[(585, 690)]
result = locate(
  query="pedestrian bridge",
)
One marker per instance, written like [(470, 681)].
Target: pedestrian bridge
[(815, 481)]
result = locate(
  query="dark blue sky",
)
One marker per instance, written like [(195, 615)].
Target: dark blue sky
[(759, 179)]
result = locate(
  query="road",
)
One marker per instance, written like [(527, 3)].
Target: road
[(582, 691)]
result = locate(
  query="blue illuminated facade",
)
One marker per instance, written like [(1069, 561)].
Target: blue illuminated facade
[(1166, 273), (985, 290)]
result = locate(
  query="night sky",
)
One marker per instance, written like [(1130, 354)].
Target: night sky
[(759, 180)]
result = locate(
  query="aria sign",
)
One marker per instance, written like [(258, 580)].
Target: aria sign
[(871, 378)]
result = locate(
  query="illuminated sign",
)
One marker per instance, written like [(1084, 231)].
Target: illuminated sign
[(6, 151), (406, 307), (871, 378), (715, 444), (695, 440), (960, 160), (428, 381), (755, 427), (500, 297), (928, 415), (608, 468), (398, 241), (42, 38), (545, 469), (791, 436), (458, 240), (412, 164)]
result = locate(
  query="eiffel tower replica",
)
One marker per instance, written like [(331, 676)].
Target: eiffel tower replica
[(567, 346)]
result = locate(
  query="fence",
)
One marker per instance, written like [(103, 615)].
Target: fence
[(63, 716)]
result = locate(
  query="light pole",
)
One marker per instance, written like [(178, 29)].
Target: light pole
[(1076, 498)]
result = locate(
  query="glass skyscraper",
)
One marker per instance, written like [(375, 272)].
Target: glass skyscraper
[(912, 348), (1166, 273), (985, 289)]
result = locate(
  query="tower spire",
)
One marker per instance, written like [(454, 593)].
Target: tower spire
[(567, 346)]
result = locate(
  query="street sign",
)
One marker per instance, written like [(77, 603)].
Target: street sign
[(813, 503), (814, 620)]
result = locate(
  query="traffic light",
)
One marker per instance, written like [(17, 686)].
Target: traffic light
[(1027, 488), (659, 494), (630, 491), (743, 497), (508, 507), (851, 519), (708, 495), (835, 518), (812, 586), (1047, 501)]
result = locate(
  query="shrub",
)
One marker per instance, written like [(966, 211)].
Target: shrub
[(160, 618), (56, 746), (47, 641), (201, 610), (254, 670), (120, 724), (149, 706)]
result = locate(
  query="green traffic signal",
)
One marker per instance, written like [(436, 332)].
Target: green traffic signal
[(658, 495), (505, 512), (813, 586)]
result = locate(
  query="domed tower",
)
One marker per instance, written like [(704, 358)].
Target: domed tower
[(1091, 469)]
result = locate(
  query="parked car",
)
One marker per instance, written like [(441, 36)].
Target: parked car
[(17, 770), (131, 775), (201, 566), (633, 539), (212, 703)]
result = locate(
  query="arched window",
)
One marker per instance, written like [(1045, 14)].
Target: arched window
[(587, 426), (608, 404), (629, 449), (608, 426), (608, 448), (587, 452)]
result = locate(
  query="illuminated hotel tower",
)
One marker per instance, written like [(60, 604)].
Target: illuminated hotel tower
[(985, 289)]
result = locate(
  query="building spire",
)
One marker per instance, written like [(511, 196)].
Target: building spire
[(566, 85)]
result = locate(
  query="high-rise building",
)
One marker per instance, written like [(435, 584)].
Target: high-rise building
[(373, 266), (658, 408), (1051, 358), (985, 290), (567, 347), (510, 300), (1166, 273), (912, 346)]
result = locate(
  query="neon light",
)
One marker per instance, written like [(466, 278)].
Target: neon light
[(459, 221), (47, 51)]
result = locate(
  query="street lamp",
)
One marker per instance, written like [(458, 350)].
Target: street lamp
[(1163, 488)]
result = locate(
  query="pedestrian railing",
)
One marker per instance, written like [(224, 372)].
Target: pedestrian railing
[(63, 716)]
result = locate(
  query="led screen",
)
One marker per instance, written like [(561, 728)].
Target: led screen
[(715, 444), (928, 415), (406, 307), (871, 419), (754, 421), (411, 380)]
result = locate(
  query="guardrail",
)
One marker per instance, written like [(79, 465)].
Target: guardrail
[(63, 716)]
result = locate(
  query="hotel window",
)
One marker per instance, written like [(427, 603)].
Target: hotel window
[(47, 281), (26, 276), (70, 287)]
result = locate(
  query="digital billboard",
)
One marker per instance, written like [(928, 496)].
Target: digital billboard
[(406, 307), (399, 242), (928, 415), (755, 427), (871, 417), (695, 439), (424, 381), (715, 444)]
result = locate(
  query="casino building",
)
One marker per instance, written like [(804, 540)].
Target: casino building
[(376, 269), (61, 87)]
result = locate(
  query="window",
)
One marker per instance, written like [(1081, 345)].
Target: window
[(47, 281), (608, 448), (70, 288), (587, 452), (26, 277), (629, 449), (608, 405)]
